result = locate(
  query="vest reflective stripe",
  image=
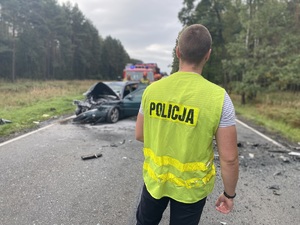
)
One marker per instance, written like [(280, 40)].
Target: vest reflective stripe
[(182, 167), (169, 177), (145, 81)]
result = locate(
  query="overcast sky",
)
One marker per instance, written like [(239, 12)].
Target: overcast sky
[(146, 28)]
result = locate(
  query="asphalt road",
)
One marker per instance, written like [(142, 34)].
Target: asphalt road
[(44, 180)]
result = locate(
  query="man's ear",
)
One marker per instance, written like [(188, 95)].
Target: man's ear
[(177, 52), (207, 56)]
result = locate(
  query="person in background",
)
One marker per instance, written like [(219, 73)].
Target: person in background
[(178, 119), (157, 77), (128, 78), (144, 79)]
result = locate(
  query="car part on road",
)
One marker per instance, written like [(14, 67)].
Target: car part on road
[(85, 157), (4, 121)]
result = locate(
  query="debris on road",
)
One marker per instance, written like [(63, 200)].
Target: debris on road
[(251, 155), (278, 173), (4, 121), (91, 156), (285, 159), (294, 153), (274, 187), (260, 152), (279, 150), (276, 193), (114, 145), (239, 144)]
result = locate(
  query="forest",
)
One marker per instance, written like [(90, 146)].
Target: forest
[(42, 40), (256, 44)]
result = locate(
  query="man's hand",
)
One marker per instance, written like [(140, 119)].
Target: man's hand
[(227, 147), (224, 204)]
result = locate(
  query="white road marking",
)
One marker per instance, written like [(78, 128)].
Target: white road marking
[(27, 134), (260, 134), (240, 122)]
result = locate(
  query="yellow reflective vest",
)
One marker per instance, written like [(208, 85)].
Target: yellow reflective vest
[(145, 81), (181, 115)]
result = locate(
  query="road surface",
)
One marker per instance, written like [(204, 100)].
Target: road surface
[(45, 181)]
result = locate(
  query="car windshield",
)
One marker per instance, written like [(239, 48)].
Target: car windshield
[(116, 87)]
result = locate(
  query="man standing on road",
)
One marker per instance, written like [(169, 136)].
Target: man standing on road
[(178, 118), (144, 79), (128, 78)]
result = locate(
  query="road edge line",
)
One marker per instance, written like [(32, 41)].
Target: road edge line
[(32, 132), (240, 122), (262, 135)]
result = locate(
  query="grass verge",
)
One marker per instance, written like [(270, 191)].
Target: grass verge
[(278, 113), (27, 103)]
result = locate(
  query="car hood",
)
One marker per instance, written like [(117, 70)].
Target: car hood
[(100, 89)]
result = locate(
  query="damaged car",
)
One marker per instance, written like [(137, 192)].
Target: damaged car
[(109, 102)]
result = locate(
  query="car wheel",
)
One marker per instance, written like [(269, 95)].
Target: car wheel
[(113, 115)]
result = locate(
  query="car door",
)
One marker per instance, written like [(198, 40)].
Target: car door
[(131, 103)]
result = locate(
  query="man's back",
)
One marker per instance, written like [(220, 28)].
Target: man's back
[(177, 121), (186, 116)]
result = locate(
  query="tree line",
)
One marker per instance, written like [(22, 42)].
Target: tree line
[(40, 39), (256, 44)]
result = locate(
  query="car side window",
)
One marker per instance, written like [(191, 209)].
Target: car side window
[(133, 87), (138, 94), (129, 88), (126, 91)]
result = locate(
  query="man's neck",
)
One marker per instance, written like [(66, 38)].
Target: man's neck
[(190, 69)]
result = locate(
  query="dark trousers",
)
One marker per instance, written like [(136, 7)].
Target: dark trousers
[(150, 210)]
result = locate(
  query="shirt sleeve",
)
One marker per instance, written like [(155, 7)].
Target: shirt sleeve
[(228, 113), (141, 110)]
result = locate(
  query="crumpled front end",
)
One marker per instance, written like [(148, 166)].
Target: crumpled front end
[(91, 116), (97, 95)]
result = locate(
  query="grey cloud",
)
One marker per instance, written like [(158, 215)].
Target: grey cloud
[(139, 25)]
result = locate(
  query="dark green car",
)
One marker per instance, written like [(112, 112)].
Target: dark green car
[(109, 102)]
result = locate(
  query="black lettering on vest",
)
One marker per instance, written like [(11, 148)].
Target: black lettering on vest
[(174, 114), (158, 109), (170, 110), (152, 107), (182, 117), (177, 113), (190, 117), (163, 113)]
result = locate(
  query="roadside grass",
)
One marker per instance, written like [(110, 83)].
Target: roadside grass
[(26, 103), (276, 112)]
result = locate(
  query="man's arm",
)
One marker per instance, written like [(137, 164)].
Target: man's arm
[(226, 138), (139, 128)]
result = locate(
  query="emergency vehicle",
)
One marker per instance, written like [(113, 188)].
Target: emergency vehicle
[(136, 71)]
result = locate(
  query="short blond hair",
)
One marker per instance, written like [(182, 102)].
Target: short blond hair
[(194, 43)]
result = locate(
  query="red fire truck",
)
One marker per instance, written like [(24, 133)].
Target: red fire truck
[(136, 71)]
